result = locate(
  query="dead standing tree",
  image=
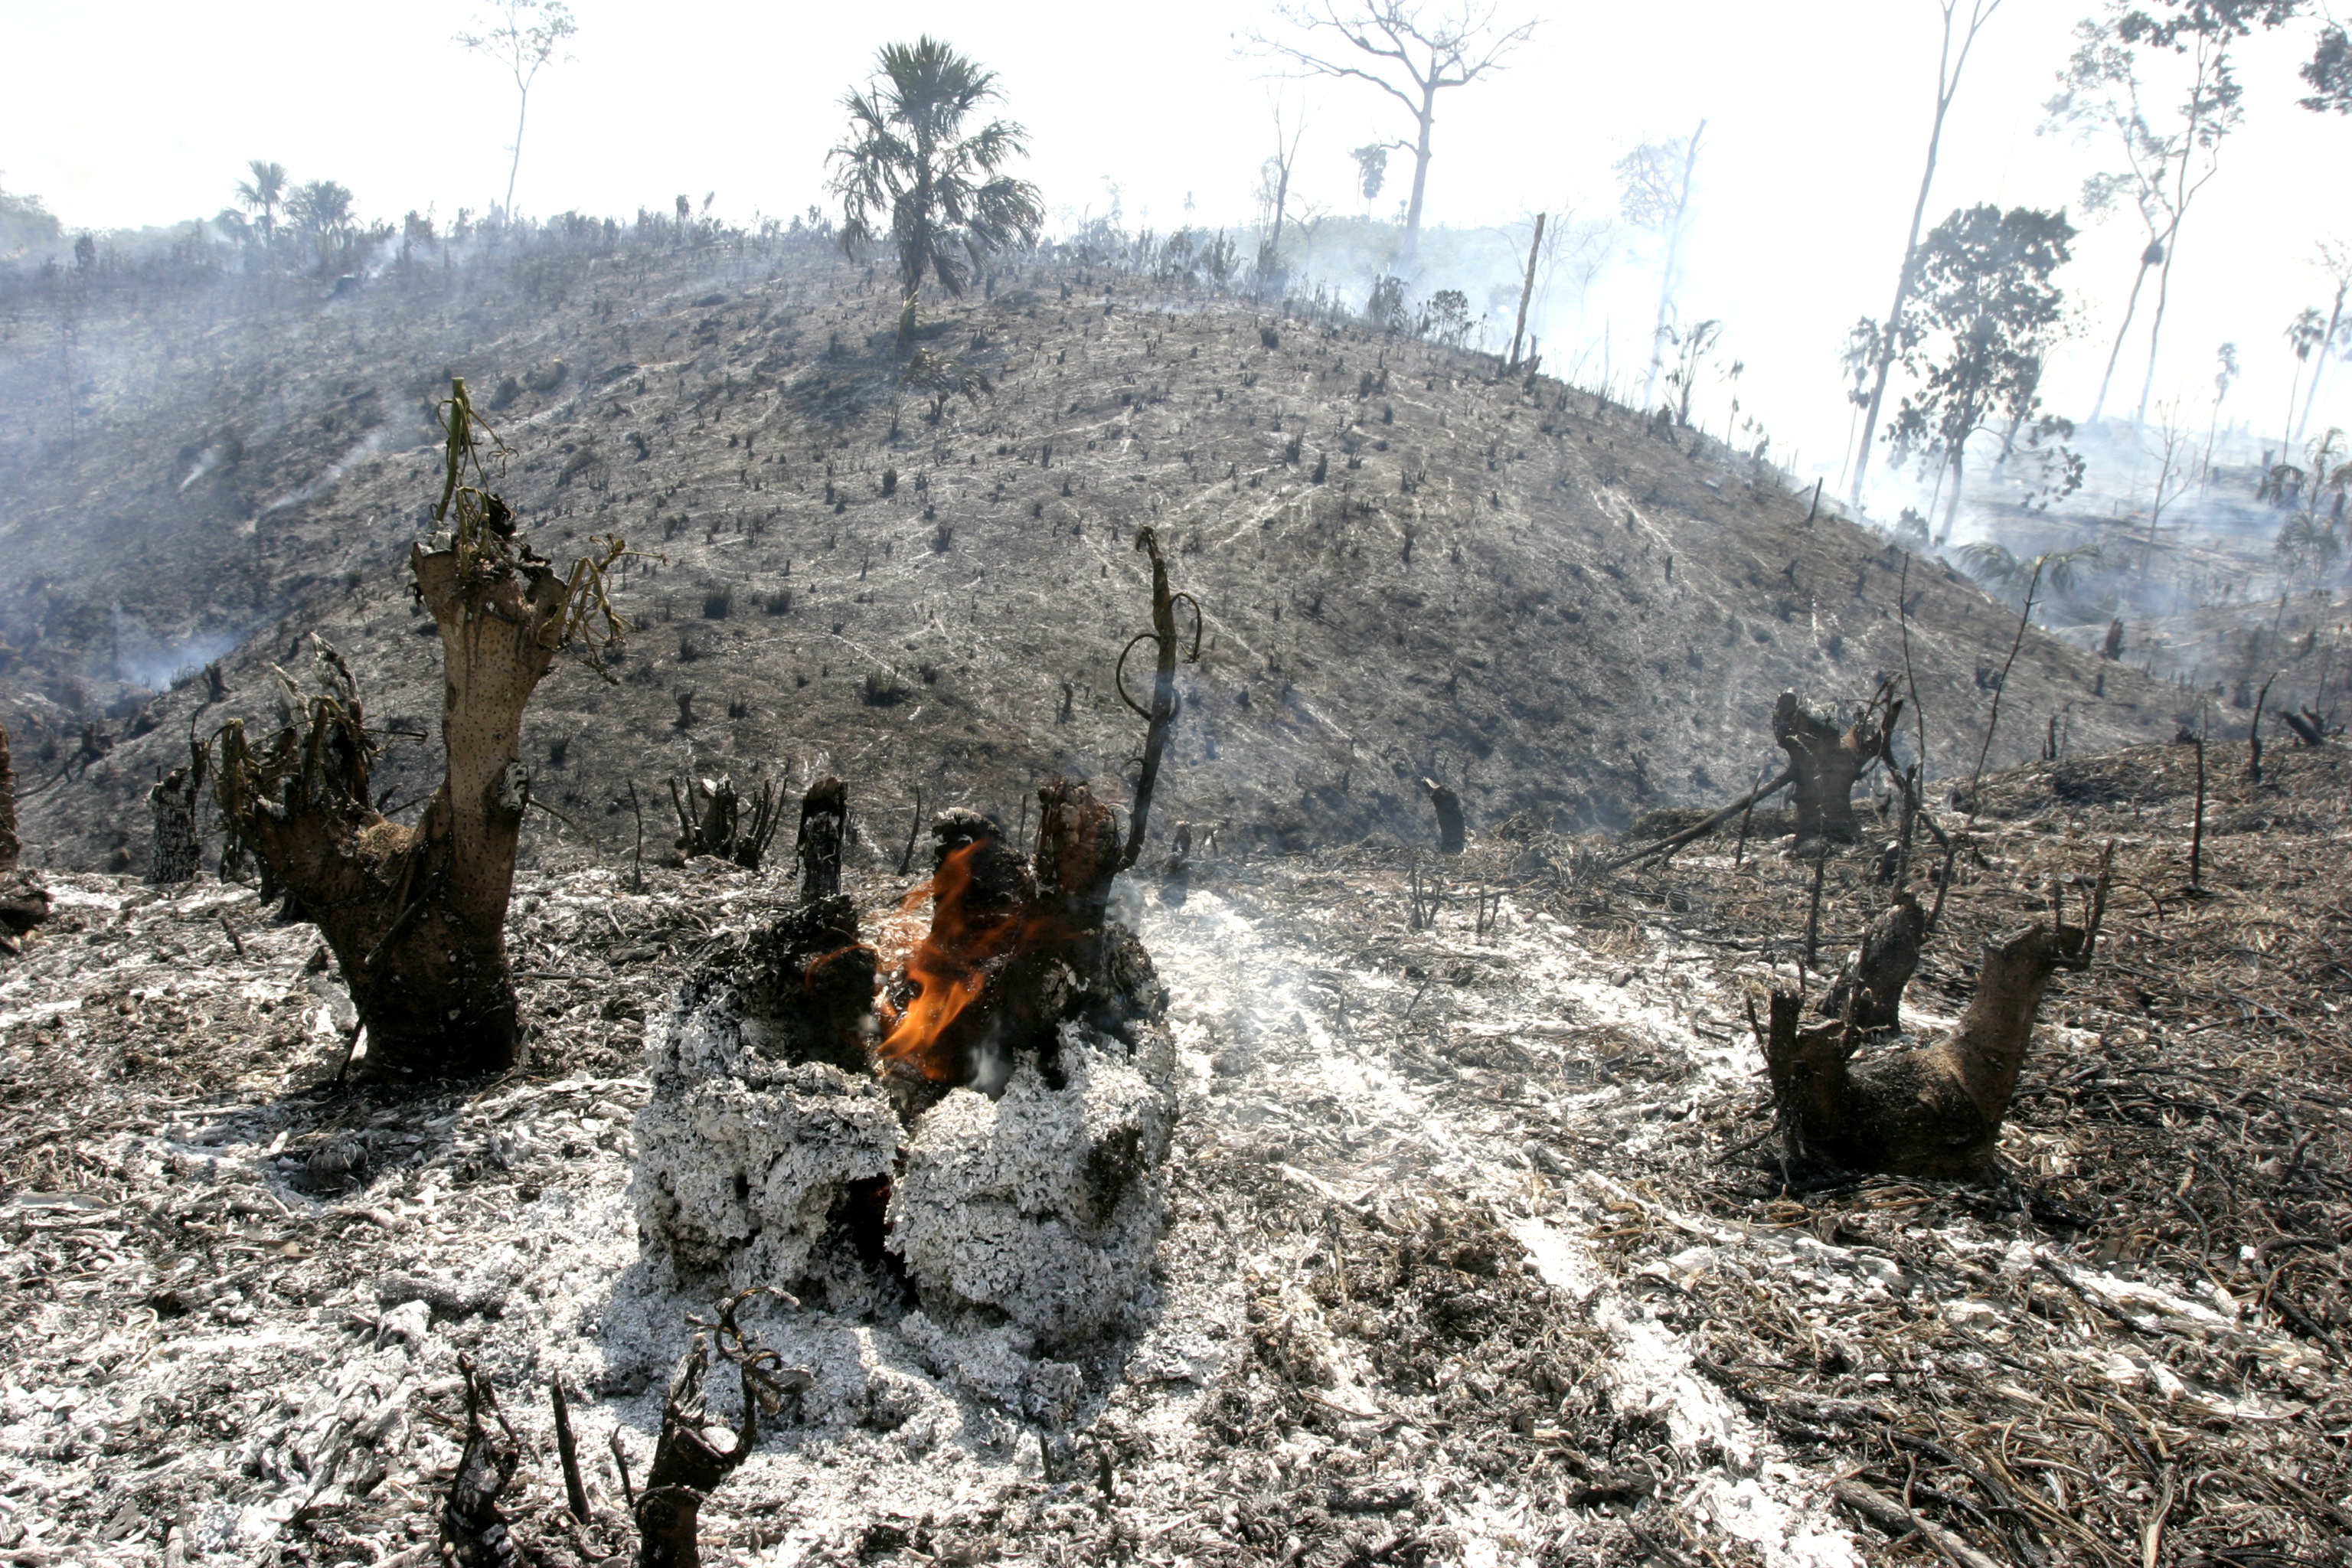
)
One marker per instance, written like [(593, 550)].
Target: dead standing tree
[(416, 915), (1933, 1110), (1411, 52)]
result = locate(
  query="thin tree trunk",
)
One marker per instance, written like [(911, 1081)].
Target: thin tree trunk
[(2311, 395), (2131, 308), (1667, 279), (515, 166), (1527, 293), (2155, 322), (1952, 503), (1947, 86), (1428, 118)]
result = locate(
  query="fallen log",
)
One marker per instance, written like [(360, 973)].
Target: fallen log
[(1674, 841)]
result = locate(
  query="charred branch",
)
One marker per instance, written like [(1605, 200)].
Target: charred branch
[(1161, 716), (1872, 982)]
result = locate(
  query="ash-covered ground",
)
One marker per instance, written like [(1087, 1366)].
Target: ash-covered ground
[(1478, 1249)]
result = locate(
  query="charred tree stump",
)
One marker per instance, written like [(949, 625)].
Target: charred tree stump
[(179, 853), (10, 847), (473, 1533), (1453, 832), (24, 902), (1826, 764), (1933, 1110), (416, 915), (824, 824), (1874, 978)]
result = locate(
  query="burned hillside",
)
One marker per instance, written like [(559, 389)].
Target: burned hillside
[(1411, 569)]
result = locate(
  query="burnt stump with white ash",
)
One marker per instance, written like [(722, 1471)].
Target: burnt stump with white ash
[(966, 1143)]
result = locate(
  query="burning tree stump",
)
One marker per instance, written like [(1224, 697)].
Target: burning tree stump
[(981, 1138), (1932, 1110), (179, 853), (1827, 762), (416, 915), (24, 902)]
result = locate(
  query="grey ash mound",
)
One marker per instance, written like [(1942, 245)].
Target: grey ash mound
[(1409, 569)]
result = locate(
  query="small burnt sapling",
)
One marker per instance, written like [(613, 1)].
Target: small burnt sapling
[(694, 1454), (416, 915), (1933, 1110), (1161, 716)]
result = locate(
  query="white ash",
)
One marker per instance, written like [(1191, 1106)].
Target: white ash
[(1043, 1207)]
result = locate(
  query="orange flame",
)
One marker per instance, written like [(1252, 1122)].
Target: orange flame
[(951, 967)]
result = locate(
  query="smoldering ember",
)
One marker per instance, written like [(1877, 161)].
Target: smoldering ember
[(964, 882)]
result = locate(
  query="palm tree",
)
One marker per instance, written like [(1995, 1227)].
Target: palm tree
[(262, 193), (909, 163)]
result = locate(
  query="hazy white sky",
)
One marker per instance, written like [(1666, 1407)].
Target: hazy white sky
[(143, 112)]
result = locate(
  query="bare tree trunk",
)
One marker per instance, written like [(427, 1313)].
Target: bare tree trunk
[(1427, 119), (2156, 322), (1527, 292), (1952, 503), (1948, 85), (1666, 277), (2311, 395), (2131, 308)]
